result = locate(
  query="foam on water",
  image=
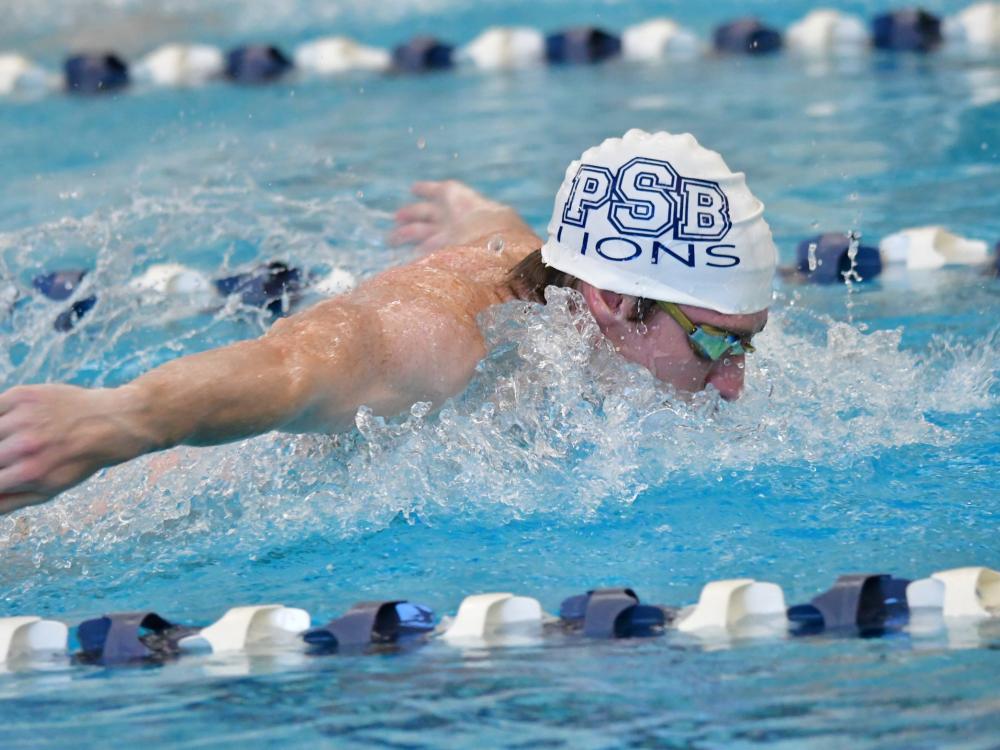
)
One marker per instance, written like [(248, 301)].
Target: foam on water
[(554, 424)]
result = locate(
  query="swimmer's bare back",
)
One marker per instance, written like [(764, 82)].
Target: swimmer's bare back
[(406, 335)]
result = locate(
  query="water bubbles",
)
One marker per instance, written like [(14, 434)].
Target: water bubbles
[(537, 432), (496, 244), (811, 258)]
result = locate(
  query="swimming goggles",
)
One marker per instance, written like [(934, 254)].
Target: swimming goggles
[(708, 341)]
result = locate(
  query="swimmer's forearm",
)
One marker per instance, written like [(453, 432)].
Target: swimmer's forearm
[(209, 398), (303, 376)]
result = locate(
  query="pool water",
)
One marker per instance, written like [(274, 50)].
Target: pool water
[(868, 439)]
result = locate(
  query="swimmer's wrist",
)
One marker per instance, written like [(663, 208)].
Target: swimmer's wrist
[(136, 429)]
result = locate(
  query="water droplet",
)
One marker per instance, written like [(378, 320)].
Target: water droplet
[(495, 244), (360, 194), (642, 329), (421, 143)]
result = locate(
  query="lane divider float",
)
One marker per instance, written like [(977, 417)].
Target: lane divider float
[(368, 623), (822, 32), (244, 627), (862, 604)]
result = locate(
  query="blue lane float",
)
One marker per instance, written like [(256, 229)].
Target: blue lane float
[(865, 603), (422, 53), (95, 73), (125, 637), (826, 259), (746, 36), (909, 30), (258, 63), (373, 623), (612, 613), (59, 285), (581, 44), (274, 286)]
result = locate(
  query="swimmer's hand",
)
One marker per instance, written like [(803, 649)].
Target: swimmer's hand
[(452, 213), (55, 436)]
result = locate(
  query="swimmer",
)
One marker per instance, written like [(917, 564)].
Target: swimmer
[(666, 246)]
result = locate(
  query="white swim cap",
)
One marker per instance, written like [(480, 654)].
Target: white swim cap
[(659, 216)]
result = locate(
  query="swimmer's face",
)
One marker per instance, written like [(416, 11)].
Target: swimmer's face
[(661, 345)]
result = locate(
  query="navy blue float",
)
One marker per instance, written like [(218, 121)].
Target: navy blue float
[(612, 613), (128, 637), (258, 63), (833, 260), (59, 285), (422, 53), (368, 623), (582, 44), (746, 36), (67, 319), (95, 73), (869, 603), (266, 286), (910, 30)]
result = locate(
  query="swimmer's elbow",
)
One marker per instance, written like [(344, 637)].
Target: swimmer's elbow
[(329, 368)]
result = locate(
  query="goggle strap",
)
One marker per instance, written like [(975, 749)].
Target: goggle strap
[(675, 312)]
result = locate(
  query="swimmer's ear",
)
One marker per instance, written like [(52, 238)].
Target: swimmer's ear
[(608, 308)]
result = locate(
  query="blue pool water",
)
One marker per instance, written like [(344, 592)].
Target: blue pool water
[(868, 438)]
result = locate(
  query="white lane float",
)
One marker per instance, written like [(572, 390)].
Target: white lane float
[(959, 592), (825, 31), (335, 282), (504, 48), (658, 39), (180, 65), (174, 279), (975, 29), (482, 616), (923, 248), (244, 627), (24, 636), (19, 75), (723, 605), (340, 54)]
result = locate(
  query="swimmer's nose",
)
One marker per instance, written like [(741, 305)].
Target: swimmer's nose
[(727, 376)]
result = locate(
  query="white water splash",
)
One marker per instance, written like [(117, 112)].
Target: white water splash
[(554, 423)]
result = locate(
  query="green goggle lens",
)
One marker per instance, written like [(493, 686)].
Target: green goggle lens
[(707, 341)]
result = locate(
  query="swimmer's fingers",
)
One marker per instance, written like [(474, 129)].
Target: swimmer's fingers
[(431, 189), (8, 400), (413, 233), (11, 502), (13, 448), (418, 212)]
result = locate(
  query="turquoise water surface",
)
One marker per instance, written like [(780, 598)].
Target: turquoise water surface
[(868, 438)]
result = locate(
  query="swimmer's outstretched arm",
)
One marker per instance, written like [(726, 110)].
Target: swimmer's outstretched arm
[(408, 335)]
